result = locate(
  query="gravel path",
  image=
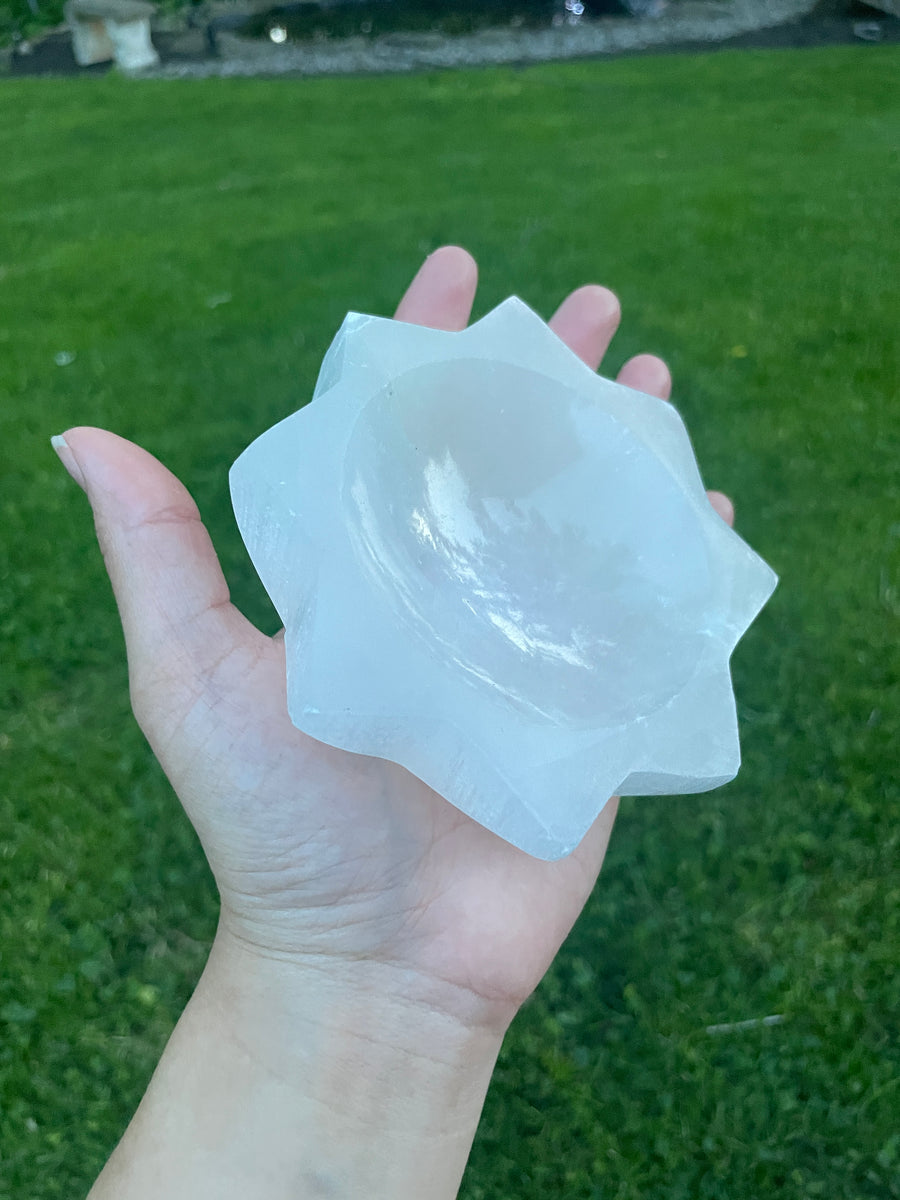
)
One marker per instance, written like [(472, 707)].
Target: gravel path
[(692, 21)]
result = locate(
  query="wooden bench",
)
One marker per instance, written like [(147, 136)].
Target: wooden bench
[(112, 30)]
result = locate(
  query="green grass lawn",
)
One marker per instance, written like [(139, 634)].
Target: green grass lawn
[(195, 246)]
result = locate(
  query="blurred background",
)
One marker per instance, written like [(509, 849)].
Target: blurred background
[(175, 257)]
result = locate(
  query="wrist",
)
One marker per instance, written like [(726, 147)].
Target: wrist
[(367, 1044), (400, 997), (288, 1080)]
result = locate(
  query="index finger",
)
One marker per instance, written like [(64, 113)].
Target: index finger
[(443, 291)]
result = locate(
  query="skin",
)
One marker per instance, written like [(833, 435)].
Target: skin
[(374, 943)]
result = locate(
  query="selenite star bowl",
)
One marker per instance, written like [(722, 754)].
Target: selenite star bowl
[(501, 571)]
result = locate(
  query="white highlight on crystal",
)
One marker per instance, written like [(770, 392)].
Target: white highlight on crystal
[(448, 503)]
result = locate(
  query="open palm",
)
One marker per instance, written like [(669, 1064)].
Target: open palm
[(320, 854)]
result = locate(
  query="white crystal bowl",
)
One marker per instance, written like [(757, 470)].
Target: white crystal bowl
[(528, 542), (501, 571)]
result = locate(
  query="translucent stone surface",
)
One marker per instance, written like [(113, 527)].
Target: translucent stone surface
[(502, 571)]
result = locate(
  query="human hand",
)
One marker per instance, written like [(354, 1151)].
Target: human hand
[(374, 942), (320, 855)]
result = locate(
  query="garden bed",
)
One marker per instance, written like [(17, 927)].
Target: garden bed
[(231, 44)]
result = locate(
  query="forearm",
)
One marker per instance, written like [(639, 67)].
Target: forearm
[(280, 1084)]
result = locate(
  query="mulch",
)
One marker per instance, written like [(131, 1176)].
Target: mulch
[(52, 55)]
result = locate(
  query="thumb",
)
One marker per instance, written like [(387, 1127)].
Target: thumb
[(172, 597)]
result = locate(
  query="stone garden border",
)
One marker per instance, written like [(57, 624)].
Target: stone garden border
[(687, 21)]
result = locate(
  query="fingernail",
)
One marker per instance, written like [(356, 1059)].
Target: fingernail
[(68, 459)]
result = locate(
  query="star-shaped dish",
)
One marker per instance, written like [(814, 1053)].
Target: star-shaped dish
[(501, 571)]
